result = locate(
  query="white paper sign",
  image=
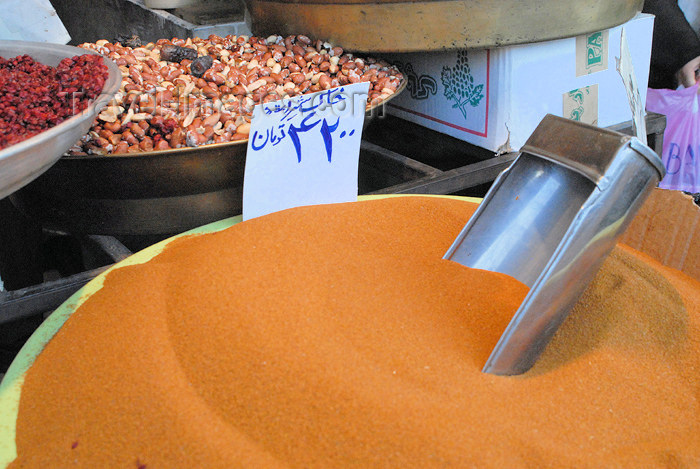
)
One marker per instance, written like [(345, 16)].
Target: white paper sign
[(626, 70), (31, 20), (304, 150)]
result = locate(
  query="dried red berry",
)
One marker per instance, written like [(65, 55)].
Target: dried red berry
[(35, 97)]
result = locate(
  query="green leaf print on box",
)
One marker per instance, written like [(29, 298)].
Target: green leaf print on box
[(459, 84)]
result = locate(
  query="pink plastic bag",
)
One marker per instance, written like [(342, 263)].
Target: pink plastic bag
[(681, 151)]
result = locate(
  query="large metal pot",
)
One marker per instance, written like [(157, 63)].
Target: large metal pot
[(406, 26), (139, 194)]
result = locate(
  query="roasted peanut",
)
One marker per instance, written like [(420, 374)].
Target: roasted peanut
[(211, 120), (137, 130), (146, 144), (177, 138), (162, 145), (353, 77), (194, 138), (213, 77), (103, 143), (210, 92), (129, 138), (223, 138), (243, 129), (324, 81), (110, 136), (121, 147), (297, 78), (208, 132), (112, 126), (300, 60)]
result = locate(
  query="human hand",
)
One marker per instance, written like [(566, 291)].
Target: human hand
[(686, 76)]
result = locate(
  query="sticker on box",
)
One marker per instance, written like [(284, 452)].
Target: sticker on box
[(582, 104), (592, 53)]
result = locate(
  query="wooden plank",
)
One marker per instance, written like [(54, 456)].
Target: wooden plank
[(455, 180)]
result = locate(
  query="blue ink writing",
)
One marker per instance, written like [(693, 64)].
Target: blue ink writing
[(306, 106)]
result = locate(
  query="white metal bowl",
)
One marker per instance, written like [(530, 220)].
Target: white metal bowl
[(25, 161)]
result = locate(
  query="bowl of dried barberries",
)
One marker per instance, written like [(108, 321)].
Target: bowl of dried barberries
[(50, 95)]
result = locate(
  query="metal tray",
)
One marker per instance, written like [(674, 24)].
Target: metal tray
[(405, 26), (149, 193), (25, 161)]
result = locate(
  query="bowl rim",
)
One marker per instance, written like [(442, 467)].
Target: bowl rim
[(109, 89)]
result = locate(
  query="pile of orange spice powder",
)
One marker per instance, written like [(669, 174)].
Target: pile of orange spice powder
[(337, 336)]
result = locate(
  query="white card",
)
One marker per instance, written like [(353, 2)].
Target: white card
[(304, 150), (626, 70)]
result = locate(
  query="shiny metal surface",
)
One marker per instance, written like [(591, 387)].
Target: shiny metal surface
[(550, 220), (25, 161), (405, 26), (163, 192)]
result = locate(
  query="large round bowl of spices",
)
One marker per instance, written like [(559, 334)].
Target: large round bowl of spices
[(337, 335), (50, 95)]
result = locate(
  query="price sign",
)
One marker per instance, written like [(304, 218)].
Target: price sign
[(304, 150)]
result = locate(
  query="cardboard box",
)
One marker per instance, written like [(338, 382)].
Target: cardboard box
[(667, 228), (494, 98)]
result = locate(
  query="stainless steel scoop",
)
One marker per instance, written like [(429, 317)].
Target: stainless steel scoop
[(549, 220)]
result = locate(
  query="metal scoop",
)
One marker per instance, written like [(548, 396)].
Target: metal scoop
[(549, 220)]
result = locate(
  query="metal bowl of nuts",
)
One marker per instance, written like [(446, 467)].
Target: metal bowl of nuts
[(168, 152), (49, 97)]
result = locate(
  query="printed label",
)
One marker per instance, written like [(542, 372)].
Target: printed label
[(591, 53), (304, 150), (582, 105)]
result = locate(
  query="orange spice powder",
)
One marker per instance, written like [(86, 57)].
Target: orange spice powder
[(337, 336)]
